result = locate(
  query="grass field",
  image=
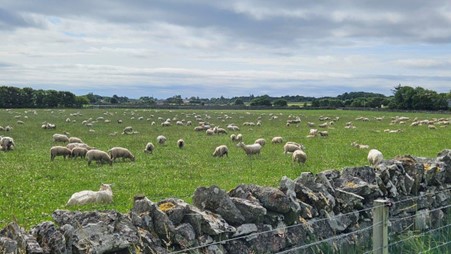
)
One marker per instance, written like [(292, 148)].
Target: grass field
[(32, 186)]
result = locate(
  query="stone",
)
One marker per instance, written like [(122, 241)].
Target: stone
[(245, 229), (252, 211), (216, 200), (49, 238)]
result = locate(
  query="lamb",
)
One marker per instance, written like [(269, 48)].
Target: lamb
[(60, 138), (149, 148), (99, 156), (375, 157), (104, 195), (180, 143), (250, 149), (290, 147), (120, 152), (59, 151), (161, 140), (277, 140), (75, 140), (79, 152), (299, 156), (221, 151), (260, 141), (7, 143)]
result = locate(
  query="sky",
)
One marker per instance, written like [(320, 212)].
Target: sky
[(205, 48)]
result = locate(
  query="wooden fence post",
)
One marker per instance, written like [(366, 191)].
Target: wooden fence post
[(380, 226)]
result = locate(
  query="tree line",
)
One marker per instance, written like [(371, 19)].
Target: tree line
[(404, 97)]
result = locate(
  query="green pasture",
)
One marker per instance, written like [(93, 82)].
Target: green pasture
[(32, 186)]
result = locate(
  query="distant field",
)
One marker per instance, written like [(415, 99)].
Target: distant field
[(32, 186)]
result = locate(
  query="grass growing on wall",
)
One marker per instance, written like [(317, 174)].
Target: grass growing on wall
[(32, 186)]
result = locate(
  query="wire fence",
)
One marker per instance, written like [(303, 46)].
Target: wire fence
[(435, 237)]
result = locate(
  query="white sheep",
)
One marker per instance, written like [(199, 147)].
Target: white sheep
[(290, 147), (104, 195), (127, 130), (299, 156), (59, 151), (79, 152), (239, 137), (99, 156), (120, 152), (60, 138), (149, 148), (260, 141), (277, 140), (7, 143), (180, 143), (161, 140), (221, 151), (210, 132), (323, 133), (250, 149), (75, 140), (233, 137), (375, 157)]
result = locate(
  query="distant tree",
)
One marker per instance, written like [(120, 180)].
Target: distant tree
[(176, 99), (280, 103), (238, 102), (261, 101), (114, 99)]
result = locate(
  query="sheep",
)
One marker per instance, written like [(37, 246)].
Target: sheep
[(290, 147), (7, 143), (250, 149), (161, 140), (127, 130), (60, 138), (233, 137), (210, 132), (149, 148), (99, 156), (79, 152), (220, 151), (260, 141), (120, 152), (220, 130), (277, 140), (375, 157), (104, 195), (323, 133), (75, 140), (180, 143), (299, 156), (59, 151)]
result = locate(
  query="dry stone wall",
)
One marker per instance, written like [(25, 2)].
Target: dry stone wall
[(333, 205)]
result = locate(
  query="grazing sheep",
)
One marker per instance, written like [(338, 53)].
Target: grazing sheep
[(220, 130), (7, 143), (233, 137), (277, 140), (239, 137), (75, 140), (161, 140), (104, 195), (299, 156), (127, 130), (221, 151), (149, 148), (290, 147), (79, 152), (250, 149), (375, 157), (60, 138), (260, 141), (210, 132), (120, 152), (180, 143), (323, 133), (59, 151), (99, 156)]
